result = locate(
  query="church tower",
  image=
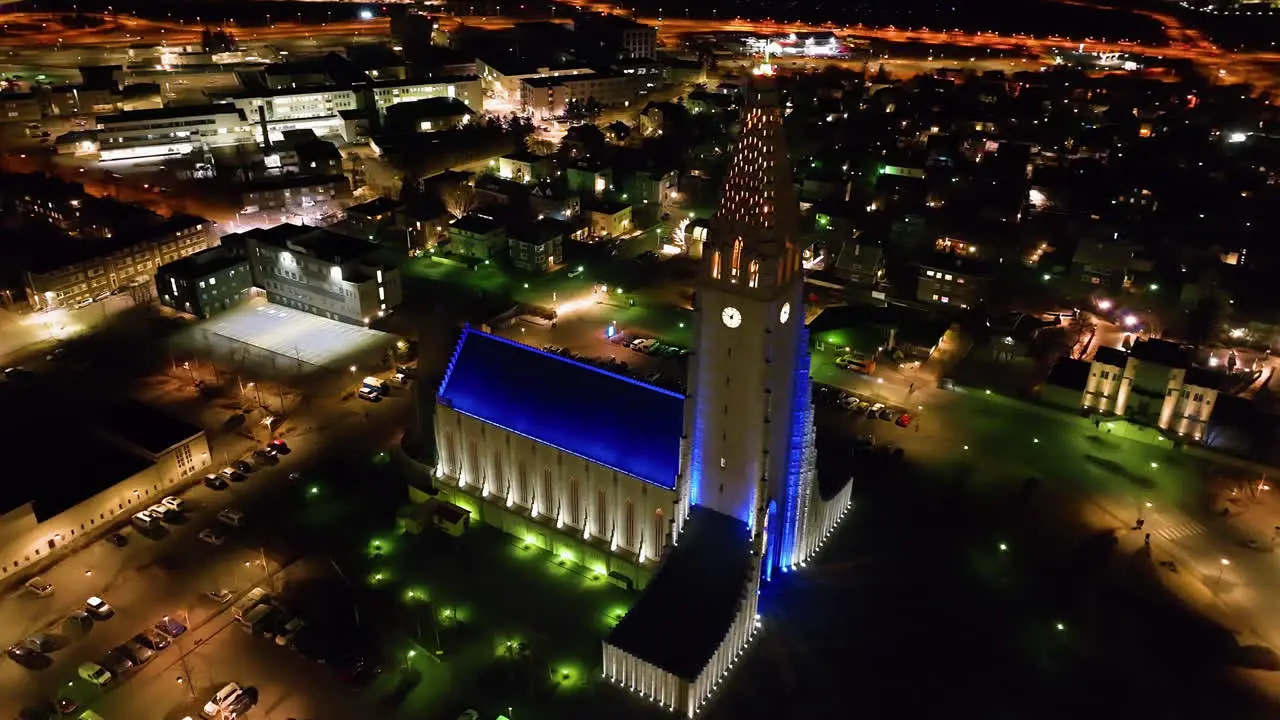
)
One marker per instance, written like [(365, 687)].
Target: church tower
[(748, 375)]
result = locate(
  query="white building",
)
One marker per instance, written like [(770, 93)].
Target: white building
[(505, 78), (696, 499), (1154, 383), (314, 109), (170, 131), (464, 87)]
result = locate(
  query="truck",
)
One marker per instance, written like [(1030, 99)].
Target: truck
[(251, 599)]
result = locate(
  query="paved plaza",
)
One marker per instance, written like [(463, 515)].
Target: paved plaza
[(296, 335)]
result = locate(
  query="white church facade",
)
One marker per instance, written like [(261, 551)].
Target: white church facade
[(701, 495)]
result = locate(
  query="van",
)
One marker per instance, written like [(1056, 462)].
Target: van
[(257, 619), (144, 520), (250, 600), (374, 383)]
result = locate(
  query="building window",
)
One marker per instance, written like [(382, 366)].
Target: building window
[(753, 274), (929, 273), (547, 493), (735, 263), (715, 265), (602, 506), (573, 501)]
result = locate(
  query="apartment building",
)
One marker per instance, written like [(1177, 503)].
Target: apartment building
[(71, 270), (466, 88), (321, 272), (504, 77), (547, 97)]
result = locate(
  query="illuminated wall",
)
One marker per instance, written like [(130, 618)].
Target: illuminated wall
[(554, 488)]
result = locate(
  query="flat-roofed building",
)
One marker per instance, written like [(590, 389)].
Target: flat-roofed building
[(205, 283), (92, 478), (321, 272), (19, 107), (171, 131)]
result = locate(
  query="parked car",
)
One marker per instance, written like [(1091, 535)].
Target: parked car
[(903, 420), (140, 654), (99, 608), (117, 661), (162, 511), (214, 708), (153, 639), (213, 536), (40, 642), (118, 539), (214, 482), (94, 673), (369, 394), (170, 626), (267, 455), (220, 596), (289, 632), (400, 379), (232, 474), (231, 516), (887, 414), (78, 620), (38, 587), (242, 466), (280, 446), (21, 654), (175, 504), (874, 410)]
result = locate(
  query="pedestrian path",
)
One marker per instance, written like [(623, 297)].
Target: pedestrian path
[(1181, 530)]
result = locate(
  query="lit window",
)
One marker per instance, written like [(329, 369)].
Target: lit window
[(722, 462), (928, 273), (735, 264), (946, 299), (715, 265), (213, 281), (202, 283), (947, 277), (935, 297), (753, 274)]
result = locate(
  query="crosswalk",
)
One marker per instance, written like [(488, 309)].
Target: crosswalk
[(1181, 530)]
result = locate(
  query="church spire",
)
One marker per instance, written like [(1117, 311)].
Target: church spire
[(754, 233)]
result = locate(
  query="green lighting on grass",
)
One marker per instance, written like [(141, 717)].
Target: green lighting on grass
[(599, 570), (681, 324), (411, 653), (1154, 465), (1035, 440), (526, 286), (619, 291), (313, 490)]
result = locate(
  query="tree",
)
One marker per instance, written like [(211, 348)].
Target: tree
[(459, 199), (539, 146)]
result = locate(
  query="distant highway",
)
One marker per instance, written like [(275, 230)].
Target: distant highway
[(1185, 43)]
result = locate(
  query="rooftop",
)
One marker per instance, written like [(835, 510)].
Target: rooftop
[(608, 419), (315, 242), (203, 264), (169, 113), (376, 207), (684, 613), (1115, 357), (1161, 352), (476, 224), (145, 427), (437, 107)]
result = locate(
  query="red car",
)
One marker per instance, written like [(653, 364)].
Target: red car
[(903, 420), (280, 446)]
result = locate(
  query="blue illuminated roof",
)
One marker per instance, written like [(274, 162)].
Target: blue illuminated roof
[(606, 418)]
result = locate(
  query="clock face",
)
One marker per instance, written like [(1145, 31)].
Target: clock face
[(731, 317), (785, 313)]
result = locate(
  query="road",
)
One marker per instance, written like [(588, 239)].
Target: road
[(150, 578)]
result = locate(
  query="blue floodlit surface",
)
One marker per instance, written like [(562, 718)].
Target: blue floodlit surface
[(606, 418)]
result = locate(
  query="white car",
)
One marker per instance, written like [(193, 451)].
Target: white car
[(213, 536), (99, 608), (160, 510), (39, 587), (94, 673), (173, 503), (220, 700), (231, 516)]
